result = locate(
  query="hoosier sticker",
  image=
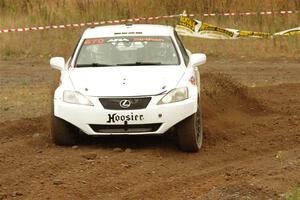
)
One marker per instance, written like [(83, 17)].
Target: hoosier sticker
[(113, 118)]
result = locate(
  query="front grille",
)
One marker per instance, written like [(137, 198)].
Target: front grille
[(115, 103), (140, 128)]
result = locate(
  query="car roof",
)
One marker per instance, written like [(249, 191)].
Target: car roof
[(128, 30)]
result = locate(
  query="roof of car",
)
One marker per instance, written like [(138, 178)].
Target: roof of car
[(129, 29)]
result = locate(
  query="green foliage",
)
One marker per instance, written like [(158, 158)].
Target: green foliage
[(295, 195)]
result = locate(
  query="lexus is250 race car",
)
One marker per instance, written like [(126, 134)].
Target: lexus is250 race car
[(129, 80)]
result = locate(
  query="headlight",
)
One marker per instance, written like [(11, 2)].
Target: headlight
[(76, 98), (178, 94)]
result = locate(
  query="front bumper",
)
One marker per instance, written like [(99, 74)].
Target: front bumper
[(155, 119)]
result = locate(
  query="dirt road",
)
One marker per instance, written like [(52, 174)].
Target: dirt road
[(251, 147)]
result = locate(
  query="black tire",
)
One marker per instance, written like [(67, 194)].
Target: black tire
[(63, 133), (190, 132)]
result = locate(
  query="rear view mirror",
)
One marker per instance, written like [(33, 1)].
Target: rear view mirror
[(57, 63), (197, 59)]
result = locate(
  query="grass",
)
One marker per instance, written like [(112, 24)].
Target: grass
[(43, 44), (294, 195)]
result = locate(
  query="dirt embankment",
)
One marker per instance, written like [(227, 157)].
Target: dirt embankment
[(251, 148)]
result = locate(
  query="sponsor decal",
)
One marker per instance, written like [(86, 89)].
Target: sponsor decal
[(113, 118), (148, 39), (118, 40), (93, 41)]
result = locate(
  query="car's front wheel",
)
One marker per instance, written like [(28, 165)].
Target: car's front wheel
[(190, 132), (63, 133)]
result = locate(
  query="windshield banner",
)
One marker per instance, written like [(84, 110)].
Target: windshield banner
[(196, 28)]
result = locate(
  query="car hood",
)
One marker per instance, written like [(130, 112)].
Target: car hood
[(125, 81)]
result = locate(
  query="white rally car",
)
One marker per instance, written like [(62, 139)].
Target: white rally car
[(129, 80)]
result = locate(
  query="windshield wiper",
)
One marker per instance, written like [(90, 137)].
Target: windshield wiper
[(93, 65), (139, 63)]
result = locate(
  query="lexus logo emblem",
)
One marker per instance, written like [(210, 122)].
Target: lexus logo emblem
[(125, 103)]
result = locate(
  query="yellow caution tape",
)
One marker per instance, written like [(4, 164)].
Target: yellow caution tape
[(254, 34), (196, 28)]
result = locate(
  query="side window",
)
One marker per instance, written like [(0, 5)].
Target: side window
[(182, 49)]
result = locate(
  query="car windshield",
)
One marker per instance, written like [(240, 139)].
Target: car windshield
[(127, 51)]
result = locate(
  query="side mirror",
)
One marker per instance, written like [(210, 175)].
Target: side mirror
[(197, 59), (58, 63)]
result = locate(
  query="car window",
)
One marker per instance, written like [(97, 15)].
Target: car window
[(182, 49), (131, 50)]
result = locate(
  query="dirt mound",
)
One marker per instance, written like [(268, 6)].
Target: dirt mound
[(226, 104), (221, 92)]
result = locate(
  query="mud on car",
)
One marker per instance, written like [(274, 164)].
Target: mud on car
[(129, 80)]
